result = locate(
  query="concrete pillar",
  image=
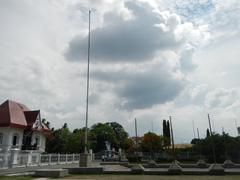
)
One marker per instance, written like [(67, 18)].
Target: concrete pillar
[(29, 158), (39, 159), (58, 161), (85, 160), (49, 160), (91, 152), (13, 157), (119, 154), (6, 160)]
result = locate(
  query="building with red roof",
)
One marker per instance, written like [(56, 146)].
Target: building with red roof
[(21, 128)]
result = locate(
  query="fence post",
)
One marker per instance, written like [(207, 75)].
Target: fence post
[(14, 157), (66, 160), (49, 160), (58, 161), (29, 158), (39, 159), (6, 160)]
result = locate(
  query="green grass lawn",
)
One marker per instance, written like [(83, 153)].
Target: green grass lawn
[(129, 177), (16, 177), (149, 177)]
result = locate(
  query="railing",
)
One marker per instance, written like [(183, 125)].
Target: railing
[(59, 158), (106, 154), (8, 160), (4, 159), (166, 156)]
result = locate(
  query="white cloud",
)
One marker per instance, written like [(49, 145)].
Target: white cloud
[(197, 90), (221, 97), (137, 39), (195, 48)]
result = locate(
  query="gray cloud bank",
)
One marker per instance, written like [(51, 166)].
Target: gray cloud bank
[(136, 39), (143, 88), (145, 36)]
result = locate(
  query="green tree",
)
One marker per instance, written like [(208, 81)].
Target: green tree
[(166, 133), (151, 142), (58, 142), (76, 141), (195, 141), (120, 133), (208, 133), (99, 134), (225, 145), (129, 145), (65, 141)]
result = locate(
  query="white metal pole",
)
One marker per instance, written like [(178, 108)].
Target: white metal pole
[(86, 126)]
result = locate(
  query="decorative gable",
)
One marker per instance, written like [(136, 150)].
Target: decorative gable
[(38, 123), (14, 114)]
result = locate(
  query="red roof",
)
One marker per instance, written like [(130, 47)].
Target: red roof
[(31, 117), (46, 131), (14, 114)]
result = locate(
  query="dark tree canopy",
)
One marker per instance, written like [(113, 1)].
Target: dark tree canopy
[(151, 142), (166, 133), (226, 147), (65, 141), (207, 133)]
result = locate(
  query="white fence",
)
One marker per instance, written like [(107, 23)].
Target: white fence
[(11, 160)]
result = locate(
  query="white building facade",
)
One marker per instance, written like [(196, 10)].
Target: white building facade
[(21, 129)]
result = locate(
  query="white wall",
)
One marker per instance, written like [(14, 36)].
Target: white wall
[(8, 133), (42, 140)]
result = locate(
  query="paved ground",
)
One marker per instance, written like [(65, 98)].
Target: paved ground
[(22, 170), (117, 169)]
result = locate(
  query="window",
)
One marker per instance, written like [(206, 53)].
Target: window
[(15, 140), (1, 138), (37, 140)]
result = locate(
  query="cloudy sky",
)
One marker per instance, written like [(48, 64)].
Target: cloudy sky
[(149, 59)]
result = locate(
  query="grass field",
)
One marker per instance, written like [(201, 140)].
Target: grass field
[(15, 177), (129, 177), (149, 177)]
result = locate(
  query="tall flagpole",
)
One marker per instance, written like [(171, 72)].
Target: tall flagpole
[(136, 134), (236, 127), (198, 133), (213, 145), (86, 126), (193, 126), (209, 123)]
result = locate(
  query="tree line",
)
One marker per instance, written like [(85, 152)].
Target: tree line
[(64, 140), (224, 145)]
